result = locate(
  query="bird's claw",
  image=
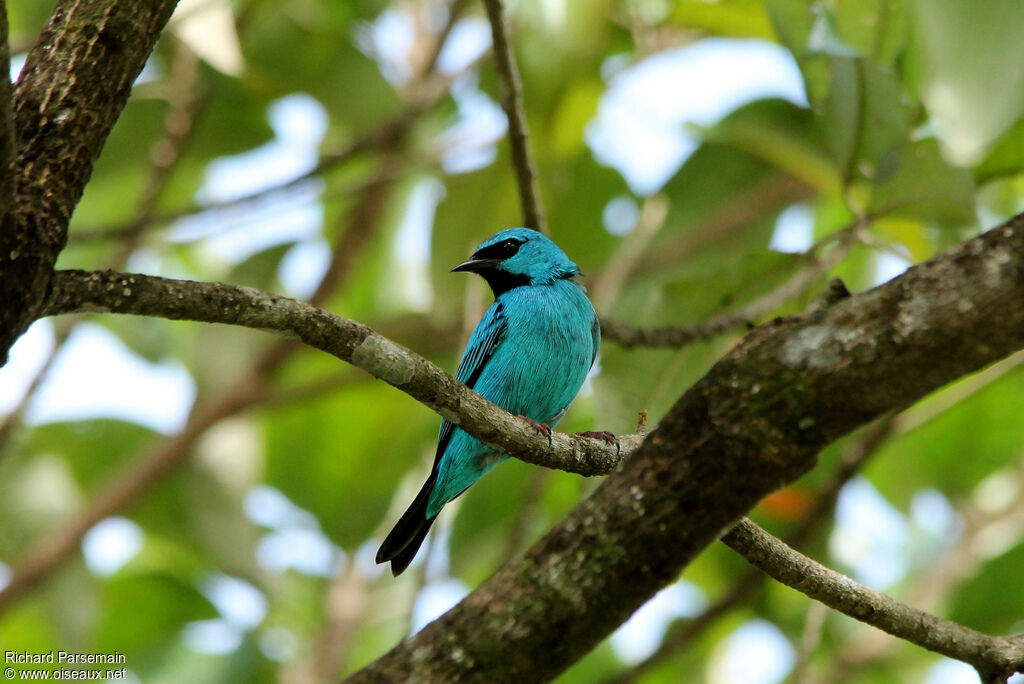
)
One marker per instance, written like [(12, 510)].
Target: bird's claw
[(540, 428), (606, 437)]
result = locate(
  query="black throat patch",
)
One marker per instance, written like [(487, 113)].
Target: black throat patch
[(503, 281)]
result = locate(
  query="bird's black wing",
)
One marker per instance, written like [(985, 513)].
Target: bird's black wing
[(404, 540), (486, 337)]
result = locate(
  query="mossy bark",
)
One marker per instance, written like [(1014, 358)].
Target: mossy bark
[(755, 422), (72, 89)]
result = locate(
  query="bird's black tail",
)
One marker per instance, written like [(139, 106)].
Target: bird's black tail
[(404, 540)]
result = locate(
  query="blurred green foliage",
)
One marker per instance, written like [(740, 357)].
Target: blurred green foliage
[(914, 130)]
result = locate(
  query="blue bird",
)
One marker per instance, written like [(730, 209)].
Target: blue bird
[(529, 354)]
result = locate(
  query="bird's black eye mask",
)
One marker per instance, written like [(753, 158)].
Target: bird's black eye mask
[(500, 251)]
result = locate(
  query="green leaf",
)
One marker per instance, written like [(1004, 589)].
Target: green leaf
[(971, 96), (783, 134), (1005, 158), (916, 181), (864, 117), (732, 18), (986, 603)]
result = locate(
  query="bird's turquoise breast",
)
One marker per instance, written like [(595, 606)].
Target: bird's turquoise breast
[(535, 371), (547, 352)]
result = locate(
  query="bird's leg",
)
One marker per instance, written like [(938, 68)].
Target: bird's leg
[(606, 437), (538, 427)]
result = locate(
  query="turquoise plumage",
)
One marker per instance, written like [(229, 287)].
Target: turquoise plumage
[(529, 354)]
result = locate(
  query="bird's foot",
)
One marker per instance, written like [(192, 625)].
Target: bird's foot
[(606, 437), (540, 428)]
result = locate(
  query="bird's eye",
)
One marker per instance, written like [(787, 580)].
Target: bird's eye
[(500, 251)]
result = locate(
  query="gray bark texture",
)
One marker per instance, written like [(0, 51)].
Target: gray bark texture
[(754, 423), (70, 93)]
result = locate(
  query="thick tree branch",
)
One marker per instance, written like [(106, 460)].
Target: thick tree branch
[(681, 635), (995, 658), (8, 154), (7, 130), (755, 422), (74, 85), (518, 132), (113, 292)]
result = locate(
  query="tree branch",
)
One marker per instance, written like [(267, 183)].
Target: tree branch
[(993, 657), (74, 85), (518, 132), (755, 422), (355, 343), (681, 335), (7, 131), (679, 637)]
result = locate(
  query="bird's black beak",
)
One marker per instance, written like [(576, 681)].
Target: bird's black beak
[(476, 265)]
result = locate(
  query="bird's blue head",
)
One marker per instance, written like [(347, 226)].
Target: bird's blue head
[(519, 256)]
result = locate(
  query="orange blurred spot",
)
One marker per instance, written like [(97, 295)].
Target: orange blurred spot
[(788, 504)]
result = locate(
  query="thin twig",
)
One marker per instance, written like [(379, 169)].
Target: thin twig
[(998, 656), (933, 587), (518, 132), (678, 638)]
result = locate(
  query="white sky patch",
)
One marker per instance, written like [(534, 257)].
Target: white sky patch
[(870, 535), (110, 544), (470, 143), (25, 360), (152, 70), (888, 266), (365, 559), (307, 551), (96, 376), (240, 604), (641, 635), (267, 506), (794, 230), (620, 215), (755, 653), (468, 40), (389, 40), (303, 267), (948, 671), (5, 575), (435, 600), (932, 512), (208, 28), (639, 129), (412, 244), (213, 637), (17, 64), (296, 540), (234, 234), (439, 560)]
